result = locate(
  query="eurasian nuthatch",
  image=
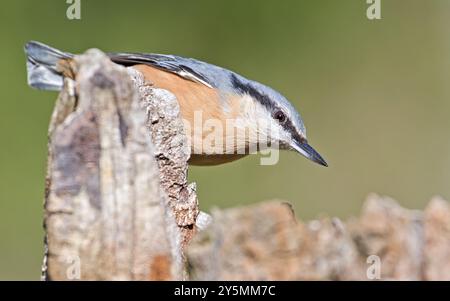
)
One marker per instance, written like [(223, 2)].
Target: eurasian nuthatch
[(214, 92)]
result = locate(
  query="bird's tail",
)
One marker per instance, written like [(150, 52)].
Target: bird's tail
[(42, 62)]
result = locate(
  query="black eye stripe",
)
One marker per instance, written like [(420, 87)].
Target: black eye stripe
[(290, 128), (267, 102), (245, 88)]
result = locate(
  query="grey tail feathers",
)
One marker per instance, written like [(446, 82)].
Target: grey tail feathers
[(41, 66)]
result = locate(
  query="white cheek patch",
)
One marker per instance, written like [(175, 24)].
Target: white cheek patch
[(261, 126), (252, 127)]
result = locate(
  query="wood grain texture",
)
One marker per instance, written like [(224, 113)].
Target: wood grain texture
[(110, 211), (266, 242), (172, 151), (118, 205)]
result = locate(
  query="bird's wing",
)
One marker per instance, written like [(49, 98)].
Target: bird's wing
[(168, 63)]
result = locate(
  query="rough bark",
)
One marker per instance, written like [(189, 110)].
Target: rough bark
[(266, 242), (172, 152), (118, 205)]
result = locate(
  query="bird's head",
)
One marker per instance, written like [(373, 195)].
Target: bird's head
[(283, 124)]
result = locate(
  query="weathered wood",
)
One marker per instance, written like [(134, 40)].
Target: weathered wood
[(110, 210), (172, 151), (436, 262), (266, 242), (118, 205)]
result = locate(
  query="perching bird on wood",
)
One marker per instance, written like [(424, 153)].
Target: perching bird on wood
[(245, 111)]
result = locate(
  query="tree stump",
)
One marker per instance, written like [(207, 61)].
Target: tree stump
[(117, 205)]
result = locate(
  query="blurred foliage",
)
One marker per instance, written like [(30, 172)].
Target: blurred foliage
[(374, 96)]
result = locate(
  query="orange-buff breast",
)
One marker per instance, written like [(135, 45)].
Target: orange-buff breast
[(192, 97)]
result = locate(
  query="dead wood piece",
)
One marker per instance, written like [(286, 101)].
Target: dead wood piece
[(265, 242), (107, 214), (172, 152)]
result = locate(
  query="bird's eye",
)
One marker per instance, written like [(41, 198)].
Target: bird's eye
[(279, 116)]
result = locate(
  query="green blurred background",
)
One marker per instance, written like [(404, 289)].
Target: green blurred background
[(374, 96)]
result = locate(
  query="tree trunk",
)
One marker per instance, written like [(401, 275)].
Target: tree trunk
[(118, 205)]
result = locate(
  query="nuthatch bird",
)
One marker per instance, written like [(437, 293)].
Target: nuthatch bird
[(214, 92)]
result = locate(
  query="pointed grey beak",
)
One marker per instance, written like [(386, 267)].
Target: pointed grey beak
[(306, 150)]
